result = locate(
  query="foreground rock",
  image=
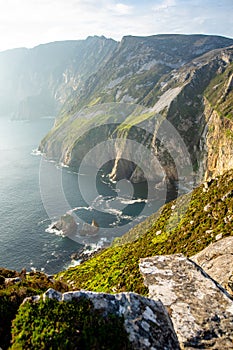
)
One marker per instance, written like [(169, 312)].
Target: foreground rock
[(201, 311), (145, 320), (217, 261)]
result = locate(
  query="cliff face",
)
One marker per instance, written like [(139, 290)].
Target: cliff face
[(36, 82), (219, 143), (219, 118), (170, 134)]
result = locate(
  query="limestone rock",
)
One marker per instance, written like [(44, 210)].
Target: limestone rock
[(146, 321), (200, 309), (217, 261)]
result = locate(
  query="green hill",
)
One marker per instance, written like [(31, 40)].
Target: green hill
[(186, 226)]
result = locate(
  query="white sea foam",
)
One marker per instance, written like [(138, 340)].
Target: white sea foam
[(36, 152), (90, 249), (74, 263), (79, 208), (112, 211), (51, 229), (63, 165), (132, 201)]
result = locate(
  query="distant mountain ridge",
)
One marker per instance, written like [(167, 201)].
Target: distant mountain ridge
[(36, 82)]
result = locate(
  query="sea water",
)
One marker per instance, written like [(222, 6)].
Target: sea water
[(26, 238)]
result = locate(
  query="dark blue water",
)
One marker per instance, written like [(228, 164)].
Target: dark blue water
[(24, 218)]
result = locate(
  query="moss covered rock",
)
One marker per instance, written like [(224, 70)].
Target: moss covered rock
[(87, 320)]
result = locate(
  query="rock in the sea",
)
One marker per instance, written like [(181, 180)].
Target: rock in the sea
[(217, 261), (66, 224), (200, 309), (89, 230), (146, 321)]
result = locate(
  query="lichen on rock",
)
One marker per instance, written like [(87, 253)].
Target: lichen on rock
[(200, 309)]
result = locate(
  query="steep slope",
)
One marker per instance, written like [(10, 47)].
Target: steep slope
[(180, 96), (219, 115), (36, 82), (186, 226), (138, 64)]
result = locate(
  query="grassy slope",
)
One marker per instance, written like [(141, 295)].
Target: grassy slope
[(183, 229), (186, 231)]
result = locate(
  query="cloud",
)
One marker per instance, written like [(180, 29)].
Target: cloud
[(31, 22), (121, 9), (164, 5)]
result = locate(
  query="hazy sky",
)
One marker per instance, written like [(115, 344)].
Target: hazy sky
[(31, 22)]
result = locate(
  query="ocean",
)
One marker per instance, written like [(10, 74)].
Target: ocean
[(30, 201)]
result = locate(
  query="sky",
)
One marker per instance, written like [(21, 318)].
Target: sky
[(27, 23)]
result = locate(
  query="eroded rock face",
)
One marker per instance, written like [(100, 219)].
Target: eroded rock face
[(66, 224), (219, 143), (89, 230), (200, 309), (217, 261), (146, 321)]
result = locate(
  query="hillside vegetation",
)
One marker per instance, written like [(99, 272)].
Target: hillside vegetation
[(186, 226)]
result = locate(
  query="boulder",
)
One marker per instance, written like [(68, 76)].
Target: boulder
[(89, 230), (200, 309), (66, 224), (217, 261), (146, 321)]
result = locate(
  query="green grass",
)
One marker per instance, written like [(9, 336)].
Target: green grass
[(11, 296), (67, 325), (186, 226), (183, 230)]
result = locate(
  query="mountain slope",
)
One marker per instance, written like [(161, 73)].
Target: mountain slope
[(181, 96), (138, 64), (36, 82)]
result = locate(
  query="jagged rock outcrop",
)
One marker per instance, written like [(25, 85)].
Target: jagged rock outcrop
[(146, 321), (89, 230), (201, 310), (217, 261), (66, 224)]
